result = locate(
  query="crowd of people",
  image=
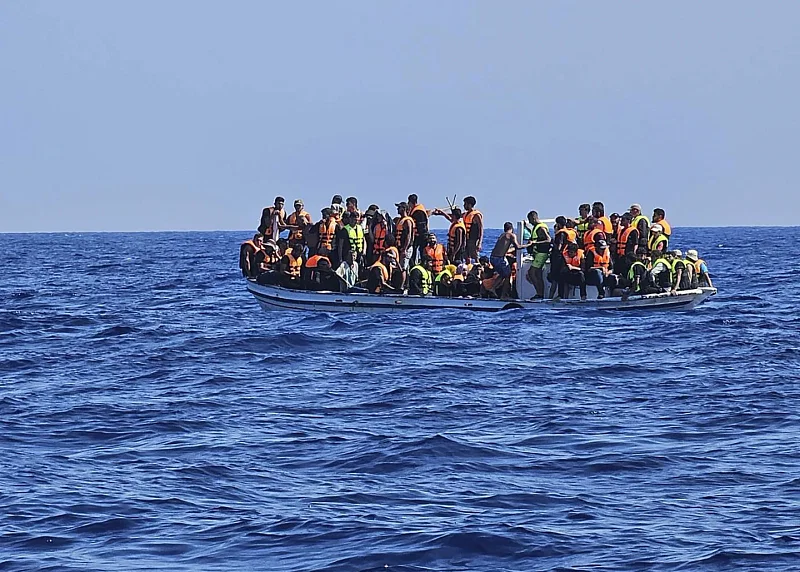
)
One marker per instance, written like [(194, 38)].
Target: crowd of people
[(348, 250)]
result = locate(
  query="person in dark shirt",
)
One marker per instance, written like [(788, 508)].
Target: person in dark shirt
[(417, 212)]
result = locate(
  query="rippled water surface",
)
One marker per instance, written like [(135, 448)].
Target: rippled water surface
[(151, 416)]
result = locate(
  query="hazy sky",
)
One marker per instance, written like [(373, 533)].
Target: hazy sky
[(149, 115)]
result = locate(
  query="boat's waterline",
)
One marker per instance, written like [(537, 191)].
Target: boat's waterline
[(278, 298)]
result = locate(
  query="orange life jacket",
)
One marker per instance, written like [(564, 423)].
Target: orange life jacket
[(396, 252), (576, 260), (384, 270), (417, 207), (398, 231), (294, 264), (572, 235), (451, 235), (601, 260), (436, 253), (588, 238), (468, 216), (622, 239), (607, 226), (296, 236), (665, 226), (379, 237), (327, 231), (313, 262), (698, 265)]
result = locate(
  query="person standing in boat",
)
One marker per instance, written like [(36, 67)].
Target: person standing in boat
[(248, 252), (273, 220), (473, 223), (540, 239), (627, 245), (659, 242), (561, 238), (499, 260), (583, 222), (297, 222), (325, 230), (404, 235), (417, 212), (378, 232), (641, 224), (658, 217), (456, 237), (599, 212)]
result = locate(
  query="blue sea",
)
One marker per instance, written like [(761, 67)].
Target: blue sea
[(153, 417)]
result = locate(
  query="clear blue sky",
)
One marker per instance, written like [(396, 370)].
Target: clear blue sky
[(150, 115)]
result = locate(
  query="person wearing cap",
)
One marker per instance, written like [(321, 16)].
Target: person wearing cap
[(627, 244), (641, 224), (598, 268), (572, 274), (681, 272), (404, 235), (658, 240), (700, 269), (248, 252), (658, 217), (273, 220), (297, 222)]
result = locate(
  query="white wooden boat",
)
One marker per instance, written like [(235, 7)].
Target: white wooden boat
[(279, 298)]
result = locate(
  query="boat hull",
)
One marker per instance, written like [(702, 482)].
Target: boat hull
[(277, 298)]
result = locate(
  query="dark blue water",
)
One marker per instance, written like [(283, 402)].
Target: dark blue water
[(151, 416)]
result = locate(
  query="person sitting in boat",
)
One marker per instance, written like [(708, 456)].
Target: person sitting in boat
[(320, 275), (290, 266), (379, 274), (681, 272), (420, 278), (661, 275), (247, 255), (598, 268), (444, 281), (499, 259), (273, 220), (639, 278), (572, 274), (700, 269), (348, 272)]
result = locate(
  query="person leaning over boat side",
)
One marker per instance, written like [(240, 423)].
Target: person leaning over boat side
[(659, 242), (290, 266), (627, 245), (473, 223), (247, 255), (404, 235), (499, 260), (700, 269), (273, 220), (572, 274), (435, 252), (641, 224), (658, 217), (297, 222), (540, 246), (583, 223), (682, 271), (420, 216), (420, 278), (598, 268)]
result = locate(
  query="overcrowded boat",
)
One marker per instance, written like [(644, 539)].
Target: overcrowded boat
[(370, 261)]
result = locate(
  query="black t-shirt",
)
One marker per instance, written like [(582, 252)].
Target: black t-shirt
[(541, 234), (421, 220)]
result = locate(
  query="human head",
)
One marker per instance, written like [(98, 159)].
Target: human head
[(571, 223), (427, 262), (533, 217), (572, 247), (596, 223), (677, 253), (258, 238), (658, 215), (455, 213), (598, 209), (297, 250), (614, 218), (412, 200), (625, 220), (279, 202), (347, 217), (372, 211), (390, 257), (352, 255), (431, 239), (390, 240), (469, 203), (327, 213), (336, 200), (600, 244), (402, 208), (271, 246), (584, 210), (351, 204), (692, 255), (298, 205), (636, 209), (507, 227)]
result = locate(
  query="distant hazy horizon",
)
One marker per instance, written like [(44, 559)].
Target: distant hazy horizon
[(123, 116)]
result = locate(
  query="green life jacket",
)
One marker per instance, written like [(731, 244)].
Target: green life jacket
[(635, 222), (427, 280), (656, 240), (356, 236), (632, 274), (582, 227), (442, 274), (670, 267)]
